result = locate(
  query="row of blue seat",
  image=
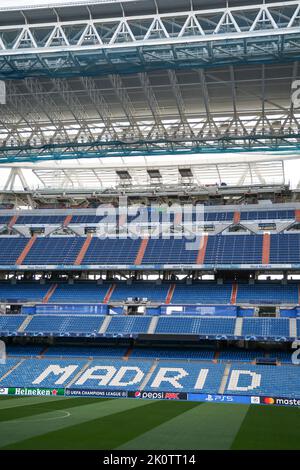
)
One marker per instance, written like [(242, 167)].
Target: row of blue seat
[(239, 355), (197, 293), (252, 328), (221, 249), (144, 215), (163, 375)]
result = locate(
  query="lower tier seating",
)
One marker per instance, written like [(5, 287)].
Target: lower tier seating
[(163, 375)]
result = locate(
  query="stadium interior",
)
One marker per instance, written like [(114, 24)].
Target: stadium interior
[(149, 235)]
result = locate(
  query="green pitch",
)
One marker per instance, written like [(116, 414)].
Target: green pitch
[(76, 423)]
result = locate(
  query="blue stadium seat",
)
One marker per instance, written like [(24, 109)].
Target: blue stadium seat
[(242, 355), (79, 292), (268, 215), (234, 249), (54, 250), (202, 293), (189, 380), (22, 351), (195, 326), (272, 293), (11, 248), (40, 219), (86, 351), (174, 251), (150, 290), (23, 292), (127, 325), (278, 381), (10, 323), (172, 353), (112, 251), (129, 375), (285, 248), (266, 327), (30, 369), (64, 324)]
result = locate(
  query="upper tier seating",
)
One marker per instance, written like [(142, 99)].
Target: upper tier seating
[(55, 250), (143, 215), (112, 251), (234, 249), (40, 219), (11, 248), (220, 249), (268, 215), (174, 251), (285, 248)]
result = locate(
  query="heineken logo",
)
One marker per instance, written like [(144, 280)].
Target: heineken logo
[(36, 391)]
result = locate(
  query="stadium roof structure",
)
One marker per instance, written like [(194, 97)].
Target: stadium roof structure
[(75, 182), (96, 79)]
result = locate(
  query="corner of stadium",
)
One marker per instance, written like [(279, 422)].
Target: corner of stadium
[(149, 227)]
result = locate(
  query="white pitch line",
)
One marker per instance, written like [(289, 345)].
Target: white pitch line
[(67, 415)]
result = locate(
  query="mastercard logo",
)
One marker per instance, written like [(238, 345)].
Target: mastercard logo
[(269, 401)]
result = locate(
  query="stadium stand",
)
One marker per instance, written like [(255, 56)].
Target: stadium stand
[(79, 292), (266, 327), (162, 375), (128, 325), (64, 324)]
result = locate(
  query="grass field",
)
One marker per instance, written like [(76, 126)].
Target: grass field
[(83, 423)]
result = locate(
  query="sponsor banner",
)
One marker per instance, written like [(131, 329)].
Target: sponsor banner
[(3, 391), (35, 392), (219, 398), (149, 395), (93, 392), (279, 401)]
